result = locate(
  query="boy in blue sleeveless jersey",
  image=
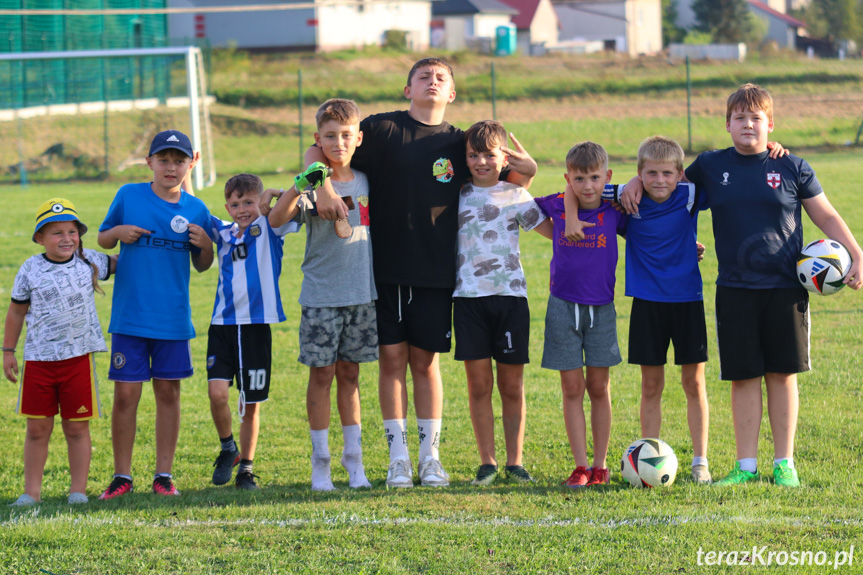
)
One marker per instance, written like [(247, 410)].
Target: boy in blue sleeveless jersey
[(762, 312), (240, 342), (159, 226)]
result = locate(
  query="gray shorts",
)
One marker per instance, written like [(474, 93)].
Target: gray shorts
[(577, 335), (328, 334)]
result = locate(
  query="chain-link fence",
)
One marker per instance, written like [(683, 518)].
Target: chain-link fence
[(267, 103)]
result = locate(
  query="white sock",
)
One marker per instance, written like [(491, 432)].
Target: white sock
[(352, 456), (749, 464), (397, 438), (790, 461), (429, 431), (321, 480), (699, 461)]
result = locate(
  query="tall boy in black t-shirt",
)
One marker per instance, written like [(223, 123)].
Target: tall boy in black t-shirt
[(415, 163)]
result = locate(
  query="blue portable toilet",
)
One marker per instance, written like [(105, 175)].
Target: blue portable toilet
[(505, 40)]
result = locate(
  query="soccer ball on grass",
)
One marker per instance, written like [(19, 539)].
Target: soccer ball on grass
[(649, 462)]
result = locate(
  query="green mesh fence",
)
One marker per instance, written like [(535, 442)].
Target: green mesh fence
[(55, 82)]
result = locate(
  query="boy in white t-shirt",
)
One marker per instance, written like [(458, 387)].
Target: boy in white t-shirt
[(490, 311)]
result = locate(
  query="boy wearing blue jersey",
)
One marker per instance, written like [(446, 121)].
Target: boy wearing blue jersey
[(762, 312), (338, 329), (247, 301), (159, 226), (664, 281)]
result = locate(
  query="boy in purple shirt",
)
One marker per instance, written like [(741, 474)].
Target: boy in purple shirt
[(580, 324)]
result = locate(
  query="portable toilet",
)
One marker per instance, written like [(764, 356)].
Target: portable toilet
[(505, 40)]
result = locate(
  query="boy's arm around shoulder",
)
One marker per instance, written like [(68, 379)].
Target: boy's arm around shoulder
[(574, 227), (286, 208), (824, 215), (330, 204)]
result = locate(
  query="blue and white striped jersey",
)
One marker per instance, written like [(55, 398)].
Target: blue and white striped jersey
[(249, 269)]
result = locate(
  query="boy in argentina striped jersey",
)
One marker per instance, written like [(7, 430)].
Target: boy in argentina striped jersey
[(247, 302)]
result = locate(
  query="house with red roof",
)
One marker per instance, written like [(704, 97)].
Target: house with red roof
[(780, 26)]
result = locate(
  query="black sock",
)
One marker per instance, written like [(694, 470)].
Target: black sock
[(228, 443), (245, 466)]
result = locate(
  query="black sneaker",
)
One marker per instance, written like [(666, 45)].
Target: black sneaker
[(485, 475), (518, 473), (224, 464), (246, 480)]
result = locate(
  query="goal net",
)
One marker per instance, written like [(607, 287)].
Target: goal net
[(79, 115)]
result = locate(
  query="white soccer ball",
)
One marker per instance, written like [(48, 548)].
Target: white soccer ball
[(649, 462), (822, 266)]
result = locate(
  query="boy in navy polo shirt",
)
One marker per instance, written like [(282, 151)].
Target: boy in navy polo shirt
[(159, 226)]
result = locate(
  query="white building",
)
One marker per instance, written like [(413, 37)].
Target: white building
[(323, 27), (630, 26)]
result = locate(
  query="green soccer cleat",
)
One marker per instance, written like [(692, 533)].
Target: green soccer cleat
[(736, 477), (313, 177), (785, 476)]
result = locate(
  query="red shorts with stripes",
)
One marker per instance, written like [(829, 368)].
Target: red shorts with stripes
[(67, 387)]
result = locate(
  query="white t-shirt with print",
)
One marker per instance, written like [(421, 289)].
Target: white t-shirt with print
[(488, 252), (62, 322)]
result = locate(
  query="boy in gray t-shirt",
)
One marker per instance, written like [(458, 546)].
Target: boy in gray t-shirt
[(338, 329)]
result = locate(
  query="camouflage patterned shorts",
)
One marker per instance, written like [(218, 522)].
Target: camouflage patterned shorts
[(346, 333)]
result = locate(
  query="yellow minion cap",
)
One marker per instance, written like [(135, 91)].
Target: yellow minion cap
[(57, 210)]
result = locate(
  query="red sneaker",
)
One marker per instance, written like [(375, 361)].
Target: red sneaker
[(164, 486), (599, 476), (578, 478), (119, 486)]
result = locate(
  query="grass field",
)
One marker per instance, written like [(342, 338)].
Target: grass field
[(543, 528)]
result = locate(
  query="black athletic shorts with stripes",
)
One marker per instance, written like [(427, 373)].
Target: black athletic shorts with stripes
[(242, 353)]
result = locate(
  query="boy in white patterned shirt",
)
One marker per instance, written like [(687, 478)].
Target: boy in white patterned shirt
[(490, 312)]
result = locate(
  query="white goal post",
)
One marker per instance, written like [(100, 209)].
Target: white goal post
[(196, 92)]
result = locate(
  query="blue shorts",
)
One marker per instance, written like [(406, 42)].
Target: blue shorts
[(138, 359)]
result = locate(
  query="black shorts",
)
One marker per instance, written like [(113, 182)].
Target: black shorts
[(244, 353), (762, 331), (655, 324), (493, 326), (421, 316)]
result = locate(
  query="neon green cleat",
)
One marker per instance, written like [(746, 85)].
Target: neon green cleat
[(736, 477), (785, 476), (313, 177)]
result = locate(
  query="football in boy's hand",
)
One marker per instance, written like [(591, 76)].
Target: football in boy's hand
[(649, 462), (822, 266)]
